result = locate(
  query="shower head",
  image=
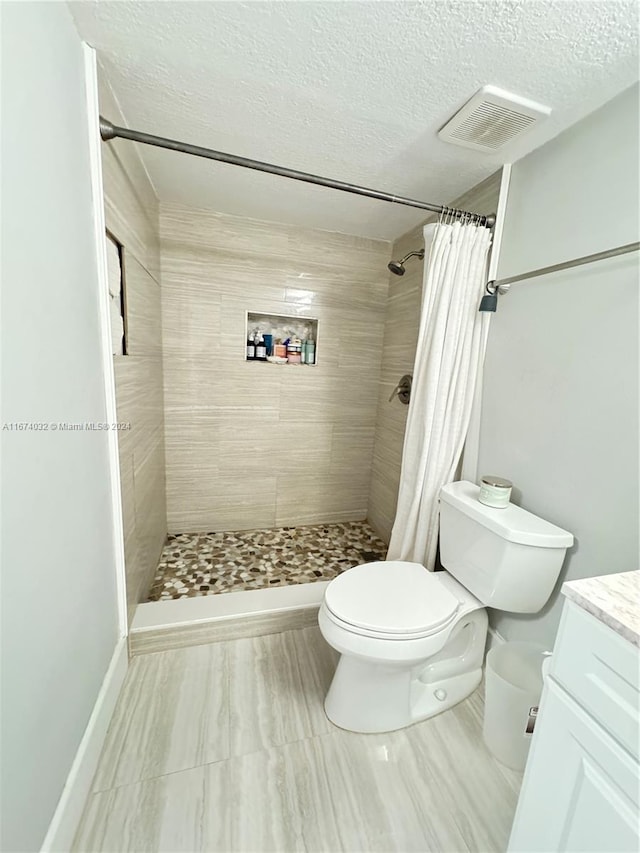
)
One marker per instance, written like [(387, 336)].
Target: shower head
[(397, 267)]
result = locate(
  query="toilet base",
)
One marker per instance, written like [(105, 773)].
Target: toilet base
[(384, 685), (379, 698)]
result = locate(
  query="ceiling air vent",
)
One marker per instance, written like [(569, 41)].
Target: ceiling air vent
[(492, 119)]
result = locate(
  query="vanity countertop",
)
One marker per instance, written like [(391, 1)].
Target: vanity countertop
[(613, 599)]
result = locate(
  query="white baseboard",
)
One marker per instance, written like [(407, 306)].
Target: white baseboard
[(66, 818)]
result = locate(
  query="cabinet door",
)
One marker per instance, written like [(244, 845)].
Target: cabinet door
[(580, 790)]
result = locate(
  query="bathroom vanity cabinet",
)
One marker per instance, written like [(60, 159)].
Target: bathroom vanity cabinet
[(582, 781)]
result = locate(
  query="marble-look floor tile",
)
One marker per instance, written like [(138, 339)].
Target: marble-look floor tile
[(277, 688), (431, 787), (335, 792), (186, 811), (266, 815), (479, 792), (360, 795), (173, 714), (319, 794), (195, 764)]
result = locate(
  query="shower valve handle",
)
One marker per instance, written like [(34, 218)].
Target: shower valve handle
[(403, 389)]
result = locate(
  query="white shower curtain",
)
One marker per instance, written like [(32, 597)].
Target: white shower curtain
[(451, 345)]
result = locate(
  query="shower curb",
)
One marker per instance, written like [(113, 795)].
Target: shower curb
[(147, 640)]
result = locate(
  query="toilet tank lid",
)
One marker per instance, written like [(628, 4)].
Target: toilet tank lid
[(512, 523)]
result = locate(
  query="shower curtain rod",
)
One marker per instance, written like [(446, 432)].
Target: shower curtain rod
[(110, 131), (565, 265)]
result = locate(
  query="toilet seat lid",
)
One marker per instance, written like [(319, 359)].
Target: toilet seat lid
[(393, 597)]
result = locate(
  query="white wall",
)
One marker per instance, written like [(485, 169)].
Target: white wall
[(560, 397), (59, 614)]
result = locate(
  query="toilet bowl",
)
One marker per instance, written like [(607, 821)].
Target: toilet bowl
[(411, 642), (411, 645)]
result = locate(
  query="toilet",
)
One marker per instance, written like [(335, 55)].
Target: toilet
[(412, 642)]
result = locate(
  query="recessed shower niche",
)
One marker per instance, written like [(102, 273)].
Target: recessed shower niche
[(281, 339)]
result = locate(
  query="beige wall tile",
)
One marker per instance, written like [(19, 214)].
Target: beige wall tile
[(294, 448), (322, 498), (192, 318), (205, 230), (226, 385), (335, 251), (231, 424), (131, 223), (190, 436), (151, 524), (213, 503), (131, 548), (231, 273), (381, 512), (351, 450), (343, 395), (139, 402), (127, 401)]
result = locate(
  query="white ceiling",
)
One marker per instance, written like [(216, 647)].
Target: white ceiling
[(354, 91)]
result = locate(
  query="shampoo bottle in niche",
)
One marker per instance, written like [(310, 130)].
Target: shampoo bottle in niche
[(310, 351), (251, 347), (261, 348)]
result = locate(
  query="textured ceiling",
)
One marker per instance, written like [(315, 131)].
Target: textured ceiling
[(354, 91)]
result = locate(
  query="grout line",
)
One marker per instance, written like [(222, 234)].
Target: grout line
[(267, 749)]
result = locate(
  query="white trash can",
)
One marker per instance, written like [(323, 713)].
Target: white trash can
[(513, 684)]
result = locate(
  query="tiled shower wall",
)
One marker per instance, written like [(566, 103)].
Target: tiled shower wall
[(398, 353), (131, 210), (254, 445)]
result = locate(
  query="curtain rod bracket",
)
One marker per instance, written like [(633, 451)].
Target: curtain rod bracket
[(107, 130)]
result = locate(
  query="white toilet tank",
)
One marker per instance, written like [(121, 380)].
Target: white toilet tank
[(508, 558)]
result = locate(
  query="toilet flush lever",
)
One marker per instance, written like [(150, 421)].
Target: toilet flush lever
[(403, 389)]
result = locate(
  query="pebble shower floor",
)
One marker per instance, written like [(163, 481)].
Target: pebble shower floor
[(208, 563)]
